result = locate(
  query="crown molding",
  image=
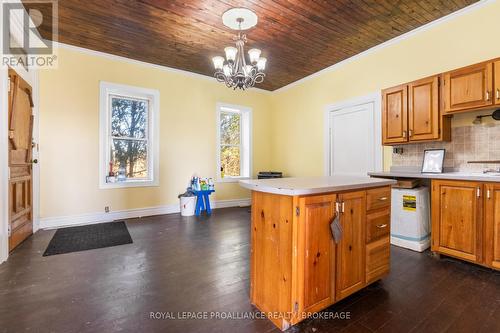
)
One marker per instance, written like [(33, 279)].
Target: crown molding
[(143, 63), (395, 40)]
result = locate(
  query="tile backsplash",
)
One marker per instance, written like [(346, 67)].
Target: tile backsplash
[(469, 143)]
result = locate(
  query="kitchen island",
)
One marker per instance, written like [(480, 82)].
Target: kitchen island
[(316, 241)]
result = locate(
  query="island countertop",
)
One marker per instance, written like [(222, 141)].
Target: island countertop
[(313, 185)]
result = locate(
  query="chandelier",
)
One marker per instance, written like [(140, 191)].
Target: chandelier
[(234, 70)]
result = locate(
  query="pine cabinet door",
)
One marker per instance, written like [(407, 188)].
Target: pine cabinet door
[(395, 115), (457, 219), (351, 248), (492, 219), (316, 214), (468, 88), (423, 109)]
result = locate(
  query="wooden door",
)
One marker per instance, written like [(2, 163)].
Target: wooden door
[(492, 218), (395, 115), (457, 219), (316, 214), (20, 149), (423, 109), (468, 88), (351, 248), (496, 70)]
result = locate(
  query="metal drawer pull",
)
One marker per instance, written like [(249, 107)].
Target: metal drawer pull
[(488, 195), (498, 93), (383, 198), (487, 95), (381, 226)]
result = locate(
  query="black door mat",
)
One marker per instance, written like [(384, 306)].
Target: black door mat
[(88, 237)]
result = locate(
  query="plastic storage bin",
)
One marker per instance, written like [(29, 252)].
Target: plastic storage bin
[(410, 216)]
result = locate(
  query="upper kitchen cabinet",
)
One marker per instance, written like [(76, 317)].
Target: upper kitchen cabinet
[(496, 70), (395, 115), (468, 88), (411, 113)]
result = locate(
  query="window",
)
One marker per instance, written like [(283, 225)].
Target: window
[(129, 136), (233, 142)]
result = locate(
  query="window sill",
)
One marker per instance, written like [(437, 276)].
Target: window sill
[(231, 179), (128, 184)]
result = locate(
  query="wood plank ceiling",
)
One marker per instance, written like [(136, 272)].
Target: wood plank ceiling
[(299, 38)]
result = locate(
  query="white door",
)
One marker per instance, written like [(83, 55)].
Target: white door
[(354, 148)]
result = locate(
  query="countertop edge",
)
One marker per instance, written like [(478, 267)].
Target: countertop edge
[(445, 176), (330, 189)]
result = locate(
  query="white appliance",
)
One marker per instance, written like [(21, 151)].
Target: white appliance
[(410, 216)]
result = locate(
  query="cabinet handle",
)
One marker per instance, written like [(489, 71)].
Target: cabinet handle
[(381, 226), (404, 134), (478, 192), (383, 198), (410, 133), (488, 195), (487, 95), (342, 207)]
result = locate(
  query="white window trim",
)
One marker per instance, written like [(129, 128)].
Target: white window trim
[(153, 96), (246, 153)]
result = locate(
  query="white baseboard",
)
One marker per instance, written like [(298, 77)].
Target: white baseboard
[(419, 246), (92, 218)]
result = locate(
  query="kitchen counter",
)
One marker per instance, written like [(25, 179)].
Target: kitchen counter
[(472, 176), (313, 185)]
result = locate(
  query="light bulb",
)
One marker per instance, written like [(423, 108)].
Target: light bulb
[(231, 52), (248, 70), (254, 55), (218, 62), (227, 70), (261, 64)]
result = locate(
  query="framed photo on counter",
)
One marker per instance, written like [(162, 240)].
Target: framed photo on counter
[(433, 161)]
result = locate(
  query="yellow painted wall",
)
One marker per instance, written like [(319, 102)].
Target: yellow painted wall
[(298, 110), (69, 134)]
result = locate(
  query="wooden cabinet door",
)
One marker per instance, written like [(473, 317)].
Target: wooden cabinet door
[(457, 219), (492, 218), (496, 70), (316, 214), (468, 88), (423, 109), (351, 248), (395, 115)]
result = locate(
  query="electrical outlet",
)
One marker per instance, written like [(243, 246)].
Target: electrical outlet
[(106, 209)]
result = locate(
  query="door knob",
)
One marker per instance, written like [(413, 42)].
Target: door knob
[(35, 161)]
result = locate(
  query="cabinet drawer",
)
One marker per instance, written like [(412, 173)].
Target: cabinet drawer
[(378, 224), (378, 256), (378, 198)]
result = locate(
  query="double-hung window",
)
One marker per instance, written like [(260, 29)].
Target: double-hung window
[(233, 142), (129, 136)]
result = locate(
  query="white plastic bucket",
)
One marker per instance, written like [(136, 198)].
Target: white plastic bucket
[(188, 205)]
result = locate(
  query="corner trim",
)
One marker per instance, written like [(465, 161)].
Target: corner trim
[(94, 218)]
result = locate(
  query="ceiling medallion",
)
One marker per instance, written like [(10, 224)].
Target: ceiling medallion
[(234, 70)]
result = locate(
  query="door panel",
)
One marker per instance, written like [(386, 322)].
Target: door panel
[(395, 115), (423, 110), (319, 261), (351, 248), (457, 227), (497, 82), (20, 141), (355, 125), (492, 233), (468, 88)]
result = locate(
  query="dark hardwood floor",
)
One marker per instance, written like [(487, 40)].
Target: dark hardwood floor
[(202, 265)]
